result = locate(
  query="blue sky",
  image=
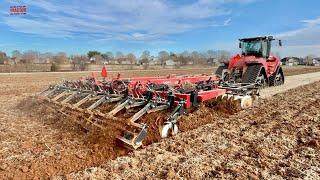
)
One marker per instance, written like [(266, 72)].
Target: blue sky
[(133, 26)]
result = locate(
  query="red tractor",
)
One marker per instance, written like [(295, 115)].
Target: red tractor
[(256, 64)]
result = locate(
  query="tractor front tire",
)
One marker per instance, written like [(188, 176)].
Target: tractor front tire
[(222, 72)]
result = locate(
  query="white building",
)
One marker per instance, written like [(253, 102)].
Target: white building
[(170, 62)]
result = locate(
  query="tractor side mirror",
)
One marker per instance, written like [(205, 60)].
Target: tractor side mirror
[(280, 43), (240, 45)]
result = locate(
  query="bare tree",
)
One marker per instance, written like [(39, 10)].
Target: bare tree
[(80, 60), (145, 55), (132, 58), (163, 57), (60, 58), (195, 56), (211, 57), (97, 59), (108, 56), (179, 59), (223, 56), (16, 56), (211, 54), (185, 54), (46, 57), (309, 59), (30, 56), (119, 57), (145, 58), (187, 57)]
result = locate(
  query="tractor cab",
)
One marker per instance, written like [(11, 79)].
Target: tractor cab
[(257, 46)]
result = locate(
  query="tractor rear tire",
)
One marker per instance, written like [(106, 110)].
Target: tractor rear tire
[(277, 78), (255, 74)]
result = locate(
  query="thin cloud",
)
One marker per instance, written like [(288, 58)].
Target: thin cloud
[(304, 40), (227, 22), (312, 22)]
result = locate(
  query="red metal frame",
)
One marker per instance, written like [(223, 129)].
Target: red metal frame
[(202, 96), (241, 62), (138, 86), (210, 94)]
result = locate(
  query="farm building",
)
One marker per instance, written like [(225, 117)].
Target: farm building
[(292, 61), (316, 61), (170, 62), (155, 61)]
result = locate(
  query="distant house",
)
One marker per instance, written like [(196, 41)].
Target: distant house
[(10, 61), (170, 62), (316, 61), (113, 61), (125, 61), (190, 63), (6, 61), (93, 60), (97, 59), (13, 60), (155, 62), (292, 61)]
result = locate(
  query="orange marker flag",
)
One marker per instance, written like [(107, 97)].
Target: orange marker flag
[(104, 72)]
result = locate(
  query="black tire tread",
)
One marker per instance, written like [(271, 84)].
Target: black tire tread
[(272, 78), (251, 74)]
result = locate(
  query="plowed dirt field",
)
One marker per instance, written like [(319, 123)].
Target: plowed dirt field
[(279, 138), (33, 146)]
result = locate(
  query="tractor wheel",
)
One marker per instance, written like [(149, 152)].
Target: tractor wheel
[(169, 129), (222, 72), (277, 78), (261, 79), (255, 74)]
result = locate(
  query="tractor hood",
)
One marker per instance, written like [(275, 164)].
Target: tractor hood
[(238, 61)]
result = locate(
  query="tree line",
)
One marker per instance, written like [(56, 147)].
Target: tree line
[(162, 58)]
